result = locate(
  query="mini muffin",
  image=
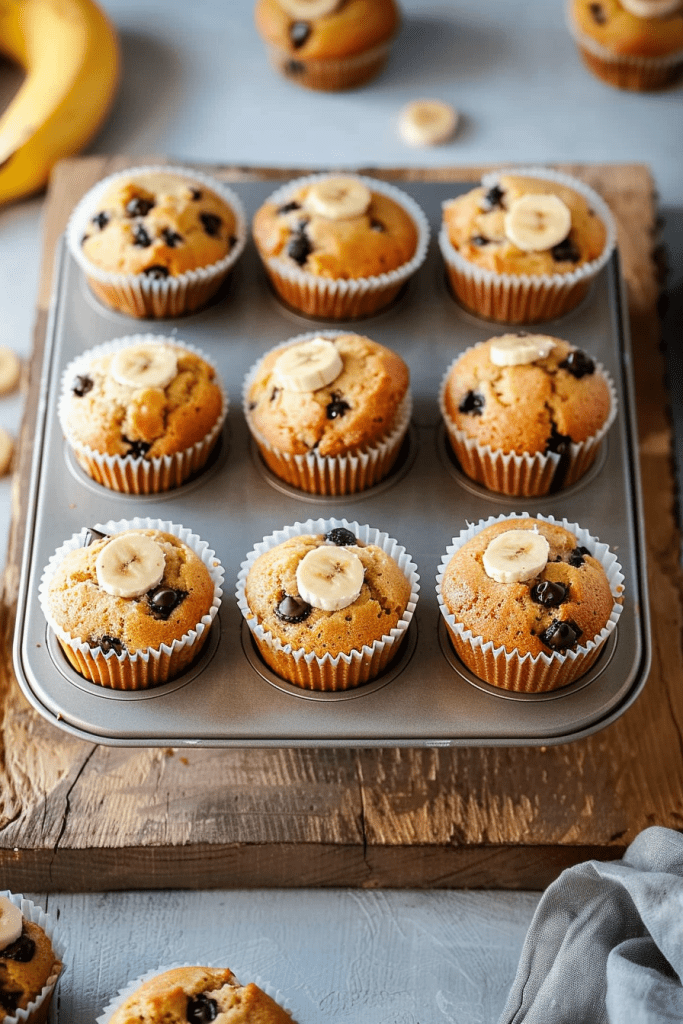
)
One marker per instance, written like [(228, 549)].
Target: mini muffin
[(198, 994), (328, 44), (328, 602), (329, 411), (525, 413), (340, 246), (529, 602), (525, 245), (632, 44), (157, 241), (29, 962), (132, 603), (142, 413)]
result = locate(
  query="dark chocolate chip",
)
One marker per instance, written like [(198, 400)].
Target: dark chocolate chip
[(337, 407), (293, 609), (294, 67), (289, 207), (299, 31), (341, 537), (164, 600), (101, 219), (10, 1000), (494, 198), (252, 406), (92, 536), (578, 364), (598, 13), (557, 442), (274, 393), (479, 240), (138, 449), (560, 635), (82, 385), (376, 225), (577, 556), (472, 403), (232, 241), (211, 223), (141, 237), (299, 249), (201, 1009), (109, 643), (84, 239), (171, 237), (139, 207), (22, 950), (549, 593), (565, 252), (195, 193), (157, 272)]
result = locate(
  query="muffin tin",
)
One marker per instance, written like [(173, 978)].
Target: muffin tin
[(427, 698)]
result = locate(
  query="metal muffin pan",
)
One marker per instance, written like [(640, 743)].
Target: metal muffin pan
[(427, 698)]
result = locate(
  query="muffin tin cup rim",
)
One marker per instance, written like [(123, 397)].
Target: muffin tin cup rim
[(663, 61), (54, 931)]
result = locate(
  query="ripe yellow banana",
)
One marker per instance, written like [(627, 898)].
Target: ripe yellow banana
[(69, 52)]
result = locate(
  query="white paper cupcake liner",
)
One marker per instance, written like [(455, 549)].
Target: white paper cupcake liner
[(523, 474), (525, 298), (342, 671), (141, 296), (123, 472), (37, 1010), (347, 298), (531, 673), (329, 474), (153, 665), (132, 986), (331, 74)]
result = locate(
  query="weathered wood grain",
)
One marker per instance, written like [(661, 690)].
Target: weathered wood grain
[(78, 817)]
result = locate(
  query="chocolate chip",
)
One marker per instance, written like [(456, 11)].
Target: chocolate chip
[(201, 1009), (10, 1000), (289, 207), (139, 207), (472, 403), (299, 31), (82, 385), (560, 635), (341, 537), (109, 643), (140, 237), (578, 364), (494, 198), (164, 600), (299, 249), (577, 556), (376, 225), (274, 393), (232, 241), (22, 950), (157, 272), (101, 219), (557, 442), (138, 449), (598, 13), (92, 536), (337, 407), (293, 609), (171, 237), (479, 240), (84, 239), (211, 223), (565, 252), (549, 593), (294, 67), (252, 406), (195, 193)]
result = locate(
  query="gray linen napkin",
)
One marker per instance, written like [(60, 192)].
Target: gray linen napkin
[(606, 942)]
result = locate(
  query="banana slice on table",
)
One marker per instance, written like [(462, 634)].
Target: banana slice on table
[(427, 122), (518, 349), (537, 222), (11, 922), (652, 8), (130, 565), (308, 366), (145, 366), (10, 369), (6, 451), (338, 198), (330, 577), (309, 9), (516, 556)]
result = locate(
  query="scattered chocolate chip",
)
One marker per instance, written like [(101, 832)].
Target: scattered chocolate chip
[(195, 194), (232, 241), (299, 248), (140, 237), (337, 407), (479, 240), (578, 364), (376, 225), (156, 272), (109, 643), (138, 449), (211, 223), (294, 67), (341, 537), (171, 237), (598, 13), (84, 239), (565, 252), (299, 31), (10, 1000), (289, 207), (274, 393), (164, 600), (22, 950), (577, 555), (92, 536), (557, 442), (82, 385), (549, 593), (139, 207), (101, 219), (473, 403), (560, 635), (293, 609), (494, 198), (201, 1009), (252, 406)]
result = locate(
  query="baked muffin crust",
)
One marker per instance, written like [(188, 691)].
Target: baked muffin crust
[(25, 966), (621, 32), (355, 26)]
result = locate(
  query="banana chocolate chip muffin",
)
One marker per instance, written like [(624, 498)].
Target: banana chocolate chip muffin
[(192, 995), (340, 246), (29, 965), (328, 610), (525, 244), (529, 602), (142, 413), (329, 411), (526, 413), (328, 44)]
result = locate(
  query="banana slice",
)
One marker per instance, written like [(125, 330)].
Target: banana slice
[(652, 8), (515, 349), (309, 9), (330, 577), (10, 369), (11, 922), (308, 366), (145, 366), (516, 556), (6, 451), (537, 222), (338, 198), (130, 565), (427, 122)]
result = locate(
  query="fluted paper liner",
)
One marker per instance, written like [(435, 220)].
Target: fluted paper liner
[(332, 73), (345, 298), (530, 673), (522, 474), (123, 472), (342, 671), (37, 1010), (153, 665), (526, 298), (355, 471), (137, 295), (132, 986)]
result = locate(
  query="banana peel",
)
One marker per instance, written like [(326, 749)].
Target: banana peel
[(69, 51)]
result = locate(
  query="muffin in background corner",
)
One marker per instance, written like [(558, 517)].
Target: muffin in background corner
[(31, 953)]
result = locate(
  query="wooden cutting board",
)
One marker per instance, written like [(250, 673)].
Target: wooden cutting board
[(78, 817)]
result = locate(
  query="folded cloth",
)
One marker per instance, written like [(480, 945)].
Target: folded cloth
[(606, 942)]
